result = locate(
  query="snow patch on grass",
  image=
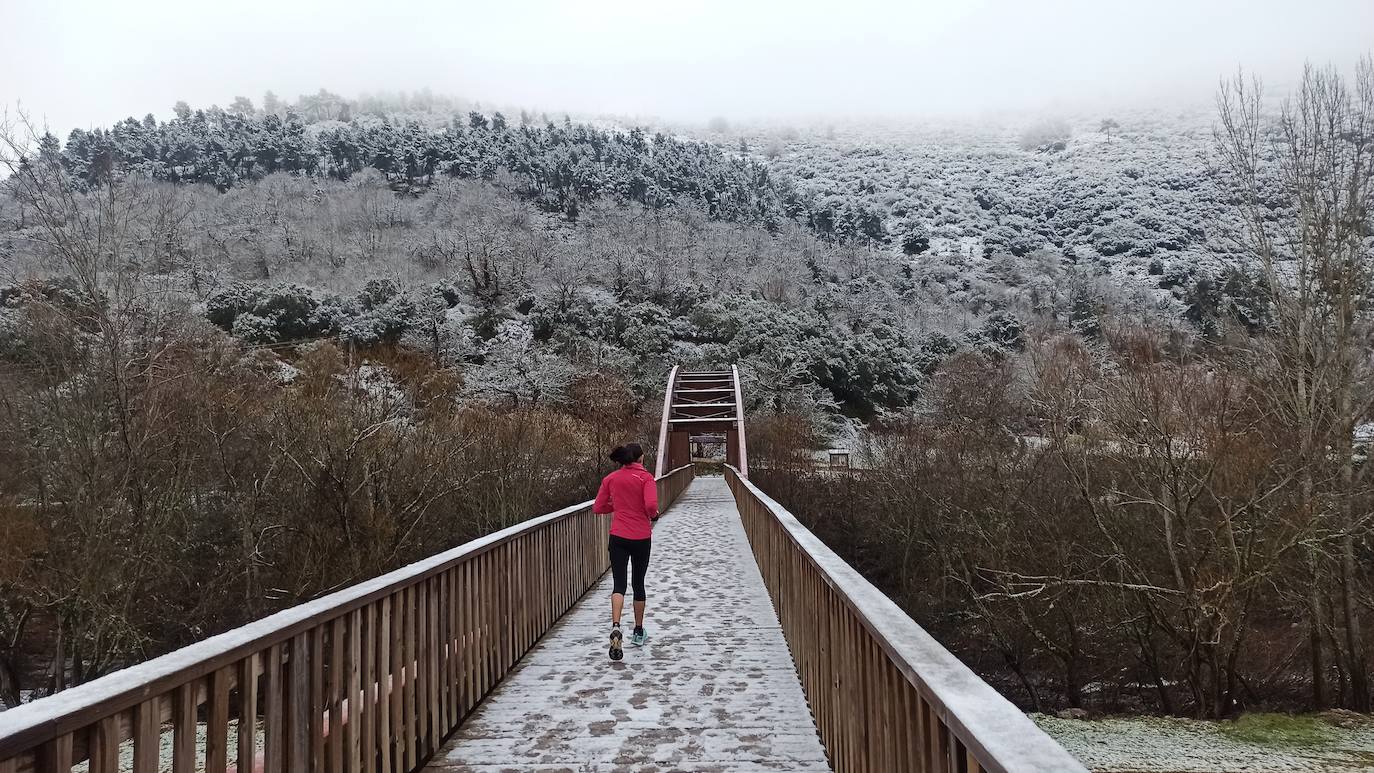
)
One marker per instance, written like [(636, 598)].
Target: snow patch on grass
[(1256, 743)]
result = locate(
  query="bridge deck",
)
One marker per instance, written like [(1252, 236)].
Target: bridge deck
[(713, 690)]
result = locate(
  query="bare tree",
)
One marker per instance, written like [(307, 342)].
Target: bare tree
[(1303, 180)]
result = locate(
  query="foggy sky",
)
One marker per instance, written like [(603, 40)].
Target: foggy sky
[(90, 62)]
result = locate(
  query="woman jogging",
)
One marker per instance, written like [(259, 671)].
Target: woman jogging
[(630, 496)]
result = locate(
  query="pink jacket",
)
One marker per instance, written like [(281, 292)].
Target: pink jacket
[(632, 495)]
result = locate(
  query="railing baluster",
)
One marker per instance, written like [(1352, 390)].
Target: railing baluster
[(486, 645), (248, 714), (353, 717), (148, 735), (388, 701), (273, 721), (319, 699), (431, 668), (408, 722), (184, 729), (103, 746), (445, 639), (470, 653), (56, 755), (298, 704), (335, 673), (421, 671), (217, 722), (371, 696)]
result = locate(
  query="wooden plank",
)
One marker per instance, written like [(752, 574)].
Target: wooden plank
[(934, 759), (353, 730), (298, 704), (319, 699), (396, 711), (455, 639), (432, 664), (445, 653), (103, 746), (371, 695), (491, 577), (506, 555), (337, 669), (481, 621), (470, 653), (519, 591), (422, 680), (273, 753), (408, 723), (384, 685), (148, 735), (217, 722), (248, 713), (55, 755), (184, 729)]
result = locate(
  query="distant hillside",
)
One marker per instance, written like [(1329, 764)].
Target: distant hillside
[(1133, 197), (847, 265), (558, 166)]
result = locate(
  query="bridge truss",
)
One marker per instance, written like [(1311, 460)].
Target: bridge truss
[(698, 403)]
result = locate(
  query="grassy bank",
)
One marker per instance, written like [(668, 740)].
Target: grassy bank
[(1331, 742)]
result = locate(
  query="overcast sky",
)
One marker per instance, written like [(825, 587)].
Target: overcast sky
[(90, 62)]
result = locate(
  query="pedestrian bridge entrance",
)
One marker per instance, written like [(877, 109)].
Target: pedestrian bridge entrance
[(766, 652)]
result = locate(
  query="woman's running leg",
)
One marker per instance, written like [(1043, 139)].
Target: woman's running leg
[(620, 559), (640, 556)]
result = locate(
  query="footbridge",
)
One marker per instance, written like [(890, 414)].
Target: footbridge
[(767, 652)]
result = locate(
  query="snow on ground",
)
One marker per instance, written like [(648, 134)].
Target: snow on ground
[(1173, 745)]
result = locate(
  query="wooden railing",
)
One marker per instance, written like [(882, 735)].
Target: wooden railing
[(371, 678), (885, 695)]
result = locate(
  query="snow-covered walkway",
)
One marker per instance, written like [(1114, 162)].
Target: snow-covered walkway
[(713, 690)]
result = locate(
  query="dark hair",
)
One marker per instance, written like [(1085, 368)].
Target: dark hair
[(630, 452)]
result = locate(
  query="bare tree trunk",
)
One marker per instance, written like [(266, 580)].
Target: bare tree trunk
[(1356, 662)]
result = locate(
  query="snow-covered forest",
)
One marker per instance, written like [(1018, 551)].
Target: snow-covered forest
[(885, 250), (282, 348)]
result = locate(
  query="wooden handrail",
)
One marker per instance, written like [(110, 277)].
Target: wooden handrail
[(885, 695), (372, 677)]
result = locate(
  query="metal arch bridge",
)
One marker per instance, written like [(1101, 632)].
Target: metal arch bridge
[(767, 652), (702, 403)]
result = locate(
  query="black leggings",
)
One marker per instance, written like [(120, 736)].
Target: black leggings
[(622, 550)]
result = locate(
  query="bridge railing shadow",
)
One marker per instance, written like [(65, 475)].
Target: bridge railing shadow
[(371, 678), (885, 695)]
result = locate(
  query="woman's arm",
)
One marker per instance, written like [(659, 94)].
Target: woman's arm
[(651, 498), (602, 505)]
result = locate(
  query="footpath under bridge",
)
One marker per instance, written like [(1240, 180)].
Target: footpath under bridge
[(766, 652)]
